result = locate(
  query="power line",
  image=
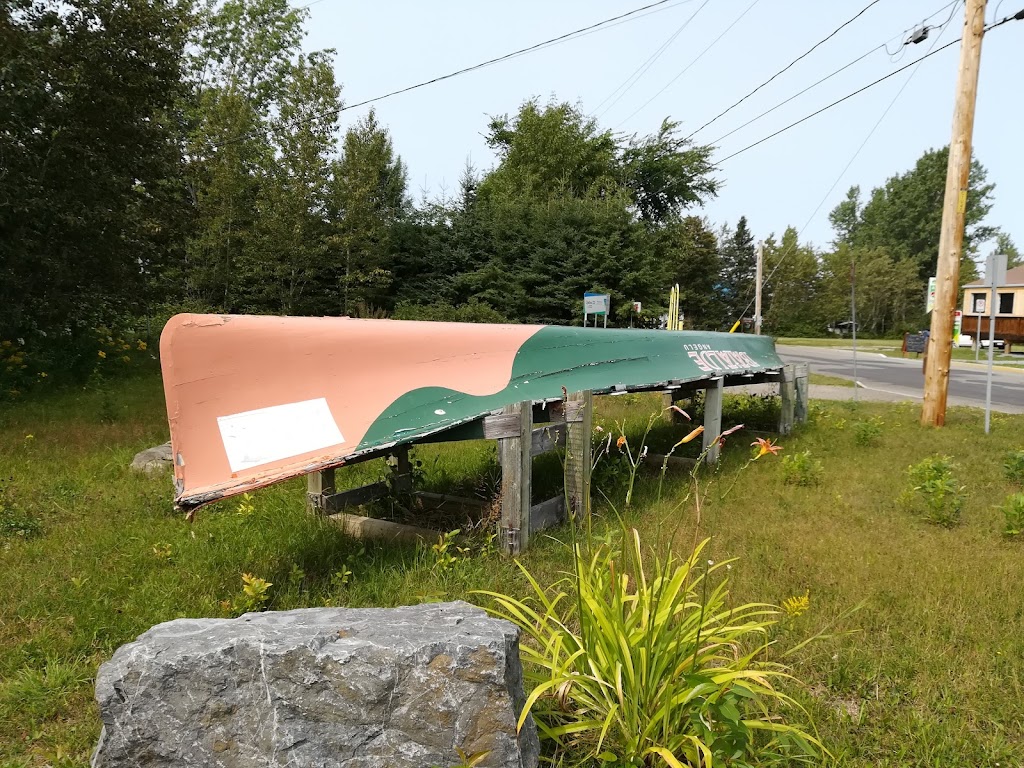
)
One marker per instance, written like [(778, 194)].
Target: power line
[(796, 95), (788, 66), (835, 72), (916, 65), (837, 101), (465, 70), (698, 57), (640, 71)]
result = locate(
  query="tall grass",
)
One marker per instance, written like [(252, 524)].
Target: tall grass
[(932, 676)]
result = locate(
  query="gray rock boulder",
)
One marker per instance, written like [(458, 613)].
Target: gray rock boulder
[(318, 687), (158, 459)]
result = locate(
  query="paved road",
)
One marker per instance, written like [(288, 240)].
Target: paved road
[(903, 377)]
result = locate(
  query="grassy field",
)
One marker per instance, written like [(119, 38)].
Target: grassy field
[(870, 344), (928, 672), (829, 381)]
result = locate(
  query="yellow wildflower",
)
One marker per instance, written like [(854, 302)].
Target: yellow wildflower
[(126, 359), (102, 354), (794, 606), (141, 346)]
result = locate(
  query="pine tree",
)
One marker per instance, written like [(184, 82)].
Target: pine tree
[(739, 270)]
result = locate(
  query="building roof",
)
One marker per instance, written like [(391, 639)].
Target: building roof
[(1014, 277)]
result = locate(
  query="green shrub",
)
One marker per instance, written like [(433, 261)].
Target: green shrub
[(935, 492), (758, 412), (638, 663), (801, 469), (1013, 466), (868, 432), (1013, 513)]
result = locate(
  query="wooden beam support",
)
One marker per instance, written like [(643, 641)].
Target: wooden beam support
[(579, 454), (516, 469), (712, 419), (801, 372), (546, 439), (787, 393), (547, 514), (319, 486), (401, 470), (336, 502)]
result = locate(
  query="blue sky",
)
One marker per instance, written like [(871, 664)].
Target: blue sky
[(389, 44)]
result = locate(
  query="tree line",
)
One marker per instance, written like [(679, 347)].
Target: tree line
[(171, 155)]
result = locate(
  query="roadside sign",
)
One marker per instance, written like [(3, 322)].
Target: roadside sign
[(958, 321), (636, 307), (930, 302), (596, 303)]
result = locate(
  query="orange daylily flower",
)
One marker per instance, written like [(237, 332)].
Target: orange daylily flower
[(694, 434), (620, 442), (765, 446)]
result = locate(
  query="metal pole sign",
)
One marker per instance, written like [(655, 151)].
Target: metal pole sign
[(930, 301), (596, 304), (995, 275)]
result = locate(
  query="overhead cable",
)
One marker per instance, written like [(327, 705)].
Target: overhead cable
[(505, 57), (640, 71), (803, 55), (697, 58)]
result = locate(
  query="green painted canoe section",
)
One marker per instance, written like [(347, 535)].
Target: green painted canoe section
[(578, 359)]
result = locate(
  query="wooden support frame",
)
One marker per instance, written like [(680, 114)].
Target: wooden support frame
[(515, 454), (801, 372), (787, 394), (579, 460), (319, 488), (713, 419), (323, 498)]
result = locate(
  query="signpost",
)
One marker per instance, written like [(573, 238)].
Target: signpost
[(930, 301), (958, 324), (595, 304), (995, 275)]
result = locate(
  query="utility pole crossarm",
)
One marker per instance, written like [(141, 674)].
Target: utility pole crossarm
[(940, 341)]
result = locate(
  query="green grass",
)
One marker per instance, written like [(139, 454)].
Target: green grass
[(844, 343), (829, 381), (930, 674)]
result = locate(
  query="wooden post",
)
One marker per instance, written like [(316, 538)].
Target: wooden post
[(713, 418), (667, 401), (787, 392), (800, 408), (757, 288), (401, 471), (578, 453), (954, 208), (516, 466), (319, 485)]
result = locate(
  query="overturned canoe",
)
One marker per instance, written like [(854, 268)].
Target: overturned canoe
[(253, 400)]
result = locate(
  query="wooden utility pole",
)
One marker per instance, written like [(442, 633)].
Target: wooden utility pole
[(940, 341), (757, 289)]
